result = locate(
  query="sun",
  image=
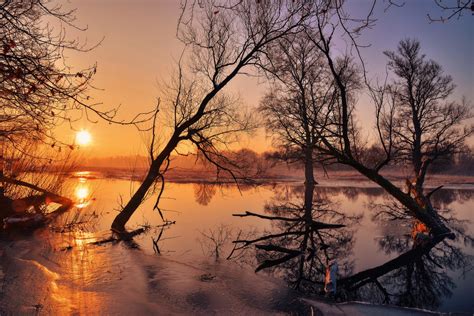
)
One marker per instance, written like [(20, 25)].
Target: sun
[(83, 138)]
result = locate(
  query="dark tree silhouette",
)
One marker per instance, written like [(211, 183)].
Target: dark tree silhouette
[(300, 103), (340, 141), (305, 240), (38, 89), (224, 39), (427, 126)]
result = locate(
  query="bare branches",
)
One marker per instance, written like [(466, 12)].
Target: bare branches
[(36, 188), (39, 89), (223, 40), (452, 9), (424, 127), (300, 105)]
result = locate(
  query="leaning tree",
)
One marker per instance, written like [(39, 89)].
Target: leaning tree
[(414, 123), (340, 141), (223, 39)]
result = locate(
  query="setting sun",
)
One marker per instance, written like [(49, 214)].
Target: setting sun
[(83, 138)]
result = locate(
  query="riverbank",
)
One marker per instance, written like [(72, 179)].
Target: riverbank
[(331, 179)]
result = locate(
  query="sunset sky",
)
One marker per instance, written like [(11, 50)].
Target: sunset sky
[(139, 50)]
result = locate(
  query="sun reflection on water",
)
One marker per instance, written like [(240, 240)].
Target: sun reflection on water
[(82, 193)]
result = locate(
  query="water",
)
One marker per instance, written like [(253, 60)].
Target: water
[(58, 271), (205, 229)]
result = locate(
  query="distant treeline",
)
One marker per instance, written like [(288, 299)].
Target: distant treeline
[(269, 164)]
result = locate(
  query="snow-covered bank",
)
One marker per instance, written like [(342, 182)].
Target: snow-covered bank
[(45, 274), (50, 273)]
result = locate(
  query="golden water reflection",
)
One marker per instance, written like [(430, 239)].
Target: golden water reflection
[(82, 193)]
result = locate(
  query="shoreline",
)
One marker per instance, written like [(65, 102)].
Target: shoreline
[(336, 179)]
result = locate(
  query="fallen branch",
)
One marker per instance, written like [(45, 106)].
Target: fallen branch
[(279, 218), (277, 248), (314, 224), (249, 242), (52, 196)]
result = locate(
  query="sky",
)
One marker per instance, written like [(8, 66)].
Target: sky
[(139, 50)]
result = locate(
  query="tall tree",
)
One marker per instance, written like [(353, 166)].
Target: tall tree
[(428, 126), (299, 104), (339, 140), (224, 39)]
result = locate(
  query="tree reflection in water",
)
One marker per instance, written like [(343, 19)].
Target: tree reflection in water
[(204, 192), (299, 248), (304, 241), (419, 276)]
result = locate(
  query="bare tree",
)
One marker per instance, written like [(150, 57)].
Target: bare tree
[(224, 39), (427, 126), (339, 142), (38, 89), (299, 108), (300, 102)]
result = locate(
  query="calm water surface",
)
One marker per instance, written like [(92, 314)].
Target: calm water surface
[(205, 228)]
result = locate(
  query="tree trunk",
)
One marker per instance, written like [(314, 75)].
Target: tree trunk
[(118, 225), (424, 212), (309, 183), (122, 218)]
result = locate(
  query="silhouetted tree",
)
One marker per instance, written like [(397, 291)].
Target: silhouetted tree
[(427, 127), (38, 89), (340, 140), (225, 38), (300, 102)]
